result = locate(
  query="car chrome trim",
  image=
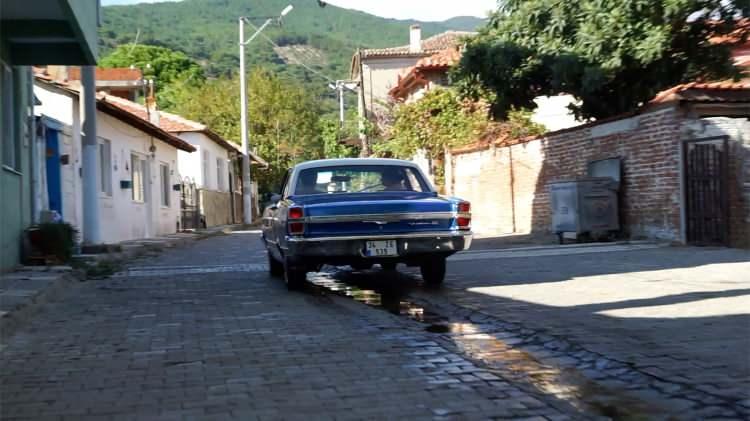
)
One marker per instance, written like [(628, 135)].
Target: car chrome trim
[(378, 218), (375, 237)]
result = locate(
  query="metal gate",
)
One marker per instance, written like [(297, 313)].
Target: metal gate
[(707, 207), (189, 205)]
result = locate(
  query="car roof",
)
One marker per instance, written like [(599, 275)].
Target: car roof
[(352, 161)]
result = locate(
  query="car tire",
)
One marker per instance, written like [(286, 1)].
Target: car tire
[(275, 268), (433, 271), (389, 266), (295, 277), (361, 266)]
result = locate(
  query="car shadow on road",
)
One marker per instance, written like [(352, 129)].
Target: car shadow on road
[(640, 308)]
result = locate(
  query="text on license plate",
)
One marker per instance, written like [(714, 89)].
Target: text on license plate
[(381, 248)]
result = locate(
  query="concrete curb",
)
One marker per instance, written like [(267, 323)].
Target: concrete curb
[(12, 319), (511, 249)]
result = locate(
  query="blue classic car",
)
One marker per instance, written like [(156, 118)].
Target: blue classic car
[(361, 212)]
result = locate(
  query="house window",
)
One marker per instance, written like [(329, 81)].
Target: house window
[(11, 145), (205, 169), (105, 166), (165, 187), (220, 169), (138, 174)]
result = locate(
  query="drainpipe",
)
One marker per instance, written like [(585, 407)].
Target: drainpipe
[(33, 139), (90, 159), (232, 157)]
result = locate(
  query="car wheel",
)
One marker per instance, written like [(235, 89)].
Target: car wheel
[(275, 268), (389, 266), (433, 271), (361, 266), (294, 276)]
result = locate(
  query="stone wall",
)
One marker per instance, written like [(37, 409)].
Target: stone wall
[(508, 185)]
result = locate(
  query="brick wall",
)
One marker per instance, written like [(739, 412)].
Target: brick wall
[(507, 185), (648, 144)]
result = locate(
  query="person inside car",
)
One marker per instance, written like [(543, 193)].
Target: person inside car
[(392, 180), (308, 183)]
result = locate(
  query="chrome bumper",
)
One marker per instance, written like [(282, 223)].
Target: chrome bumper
[(353, 246)]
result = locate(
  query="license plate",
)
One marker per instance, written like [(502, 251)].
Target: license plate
[(381, 248)]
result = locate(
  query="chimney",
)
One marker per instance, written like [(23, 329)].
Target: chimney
[(415, 39), (151, 109)]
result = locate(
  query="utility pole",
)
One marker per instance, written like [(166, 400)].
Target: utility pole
[(247, 200), (339, 87), (90, 158)]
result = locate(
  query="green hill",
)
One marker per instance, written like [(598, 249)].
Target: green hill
[(206, 30)]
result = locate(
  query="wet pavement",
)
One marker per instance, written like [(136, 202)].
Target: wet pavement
[(204, 333)]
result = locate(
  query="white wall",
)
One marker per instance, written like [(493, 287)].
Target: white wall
[(121, 218), (191, 164), (380, 75), (136, 219)]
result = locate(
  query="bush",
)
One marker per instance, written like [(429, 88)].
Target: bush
[(54, 240)]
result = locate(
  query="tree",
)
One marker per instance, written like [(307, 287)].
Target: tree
[(283, 120), (612, 55), (439, 120), (171, 70), (333, 134)]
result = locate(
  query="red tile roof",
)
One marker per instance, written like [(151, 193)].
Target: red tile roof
[(430, 45), (440, 61), (741, 30), (710, 92), (176, 124)]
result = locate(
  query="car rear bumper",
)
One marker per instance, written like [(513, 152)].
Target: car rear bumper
[(353, 246)]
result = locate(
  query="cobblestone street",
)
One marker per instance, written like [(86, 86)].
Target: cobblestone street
[(231, 342), (203, 332)]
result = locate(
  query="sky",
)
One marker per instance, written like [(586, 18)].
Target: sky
[(424, 10)]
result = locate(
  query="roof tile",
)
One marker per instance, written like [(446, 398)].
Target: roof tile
[(676, 93), (431, 45)]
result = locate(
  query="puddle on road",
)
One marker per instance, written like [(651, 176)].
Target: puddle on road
[(377, 289)]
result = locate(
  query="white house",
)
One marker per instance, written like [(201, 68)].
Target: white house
[(137, 171), (377, 70), (213, 167)]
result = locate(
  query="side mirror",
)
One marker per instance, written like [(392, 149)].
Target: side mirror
[(273, 204)]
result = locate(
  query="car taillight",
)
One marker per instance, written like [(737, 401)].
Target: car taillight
[(295, 225), (463, 220), (296, 213)]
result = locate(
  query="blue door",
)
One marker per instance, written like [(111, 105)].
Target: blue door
[(54, 182)]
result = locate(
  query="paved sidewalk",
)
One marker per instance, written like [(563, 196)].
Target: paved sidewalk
[(22, 293)]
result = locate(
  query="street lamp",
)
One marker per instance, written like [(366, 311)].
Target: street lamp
[(247, 203)]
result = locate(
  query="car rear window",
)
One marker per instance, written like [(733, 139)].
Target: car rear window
[(359, 179)]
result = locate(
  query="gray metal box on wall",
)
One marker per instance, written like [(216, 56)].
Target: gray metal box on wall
[(585, 205)]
